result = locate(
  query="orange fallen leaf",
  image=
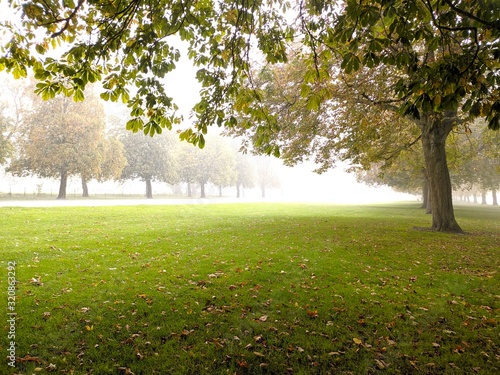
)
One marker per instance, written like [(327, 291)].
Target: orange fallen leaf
[(312, 314)]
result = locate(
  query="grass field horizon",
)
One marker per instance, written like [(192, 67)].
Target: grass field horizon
[(251, 289)]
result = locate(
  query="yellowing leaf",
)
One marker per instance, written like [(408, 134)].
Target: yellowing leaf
[(357, 341)]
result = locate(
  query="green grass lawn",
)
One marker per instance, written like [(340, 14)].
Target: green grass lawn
[(250, 289)]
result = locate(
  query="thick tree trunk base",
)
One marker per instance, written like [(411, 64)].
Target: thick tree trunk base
[(427, 229), (85, 188), (435, 129), (149, 189), (448, 227), (62, 186)]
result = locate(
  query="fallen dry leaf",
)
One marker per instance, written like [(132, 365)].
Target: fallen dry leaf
[(357, 341)]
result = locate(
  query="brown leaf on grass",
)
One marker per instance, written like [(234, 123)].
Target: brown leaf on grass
[(28, 358), (242, 363), (312, 314), (138, 354), (381, 364), (258, 354), (263, 318)]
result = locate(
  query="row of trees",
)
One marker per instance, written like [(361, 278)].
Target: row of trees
[(63, 138), (473, 153), (362, 75)]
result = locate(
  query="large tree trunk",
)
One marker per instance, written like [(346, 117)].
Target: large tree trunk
[(202, 187), (434, 134), (238, 193), (62, 185), (85, 188), (495, 201), (149, 189), (190, 191)]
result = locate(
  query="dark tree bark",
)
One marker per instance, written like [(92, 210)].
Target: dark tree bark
[(428, 209), (494, 193), (149, 189), (62, 185), (434, 133), (483, 197), (426, 194), (85, 188)]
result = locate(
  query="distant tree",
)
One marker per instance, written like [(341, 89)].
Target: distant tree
[(267, 176), (112, 163), (223, 169), (215, 164), (5, 143), (150, 159), (187, 167), (15, 103), (61, 138), (245, 172), (479, 160)]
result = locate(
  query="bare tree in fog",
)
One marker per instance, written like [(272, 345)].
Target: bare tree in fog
[(245, 174), (266, 175)]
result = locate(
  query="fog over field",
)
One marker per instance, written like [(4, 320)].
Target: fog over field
[(297, 184)]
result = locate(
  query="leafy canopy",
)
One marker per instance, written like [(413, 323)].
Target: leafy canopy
[(448, 52)]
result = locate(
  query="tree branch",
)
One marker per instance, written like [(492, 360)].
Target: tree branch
[(68, 19), (472, 16)]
